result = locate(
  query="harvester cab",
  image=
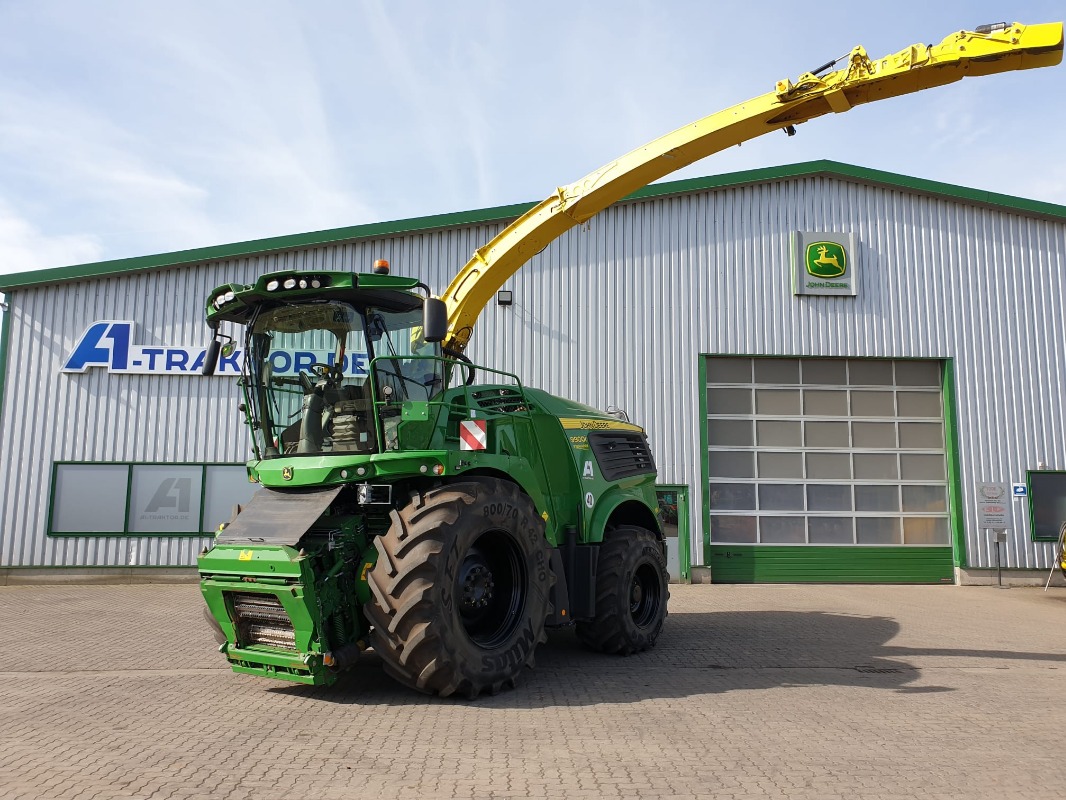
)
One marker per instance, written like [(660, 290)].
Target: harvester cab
[(331, 357)]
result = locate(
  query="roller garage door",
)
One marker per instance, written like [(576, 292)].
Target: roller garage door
[(826, 470)]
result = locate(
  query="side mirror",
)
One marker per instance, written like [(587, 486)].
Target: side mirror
[(434, 319), (211, 357)]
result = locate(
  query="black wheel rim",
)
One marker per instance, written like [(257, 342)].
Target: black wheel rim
[(491, 587), (645, 595)]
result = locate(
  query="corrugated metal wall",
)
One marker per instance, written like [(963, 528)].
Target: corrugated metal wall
[(613, 314)]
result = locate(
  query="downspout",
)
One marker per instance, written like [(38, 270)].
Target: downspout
[(5, 336)]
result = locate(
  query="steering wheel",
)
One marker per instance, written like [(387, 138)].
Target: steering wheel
[(331, 374)]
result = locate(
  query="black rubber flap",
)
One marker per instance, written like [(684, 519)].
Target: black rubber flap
[(279, 517)]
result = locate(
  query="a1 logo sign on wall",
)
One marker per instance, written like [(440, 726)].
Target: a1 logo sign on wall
[(109, 344)]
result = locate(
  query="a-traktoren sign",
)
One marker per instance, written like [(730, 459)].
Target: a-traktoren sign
[(108, 344)]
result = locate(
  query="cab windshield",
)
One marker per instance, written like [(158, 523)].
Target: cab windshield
[(307, 375)]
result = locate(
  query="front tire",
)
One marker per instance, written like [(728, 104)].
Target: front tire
[(631, 593), (460, 589)]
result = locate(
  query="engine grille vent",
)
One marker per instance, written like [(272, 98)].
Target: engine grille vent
[(501, 400), (261, 620), (621, 455)]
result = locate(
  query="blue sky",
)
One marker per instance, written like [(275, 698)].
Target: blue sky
[(130, 128)]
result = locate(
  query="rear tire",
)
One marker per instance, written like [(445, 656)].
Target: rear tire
[(631, 593), (460, 589)]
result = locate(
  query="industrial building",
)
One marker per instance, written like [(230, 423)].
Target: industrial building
[(844, 374)]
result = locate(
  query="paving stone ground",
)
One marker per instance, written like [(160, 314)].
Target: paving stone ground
[(753, 691)]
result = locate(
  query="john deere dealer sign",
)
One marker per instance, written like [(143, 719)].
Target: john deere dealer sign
[(824, 263)]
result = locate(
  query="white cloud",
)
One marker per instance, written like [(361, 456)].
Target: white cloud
[(200, 141), (147, 127), (69, 162), (23, 247)]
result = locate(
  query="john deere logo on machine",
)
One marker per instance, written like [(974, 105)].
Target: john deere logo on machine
[(826, 259), (286, 473)]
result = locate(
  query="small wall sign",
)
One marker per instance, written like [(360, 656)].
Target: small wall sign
[(994, 510), (825, 263)]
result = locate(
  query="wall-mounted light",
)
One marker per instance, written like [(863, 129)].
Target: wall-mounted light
[(504, 298)]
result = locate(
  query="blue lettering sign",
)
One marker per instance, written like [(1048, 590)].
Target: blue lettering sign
[(177, 359), (151, 352), (109, 344), (280, 361), (302, 361)]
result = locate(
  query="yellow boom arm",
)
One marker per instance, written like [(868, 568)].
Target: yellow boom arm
[(990, 49)]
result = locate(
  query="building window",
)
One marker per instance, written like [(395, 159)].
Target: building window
[(1047, 504), (128, 499)]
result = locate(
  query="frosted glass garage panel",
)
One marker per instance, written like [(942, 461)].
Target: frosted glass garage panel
[(922, 467), (732, 464), (778, 433), (780, 465), (732, 496), (871, 497), (870, 373), (781, 402), (926, 531), (828, 466), (833, 371), (165, 499), (777, 370), (90, 498), (825, 403), (782, 530), (829, 497), (877, 530), (874, 434), (918, 373), (872, 404), (921, 435), (729, 401), (920, 404), (781, 497), (224, 488), (733, 529), (827, 434), (830, 530), (876, 466), (730, 370), (730, 433)]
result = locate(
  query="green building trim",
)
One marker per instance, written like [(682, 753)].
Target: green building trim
[(504, 214)]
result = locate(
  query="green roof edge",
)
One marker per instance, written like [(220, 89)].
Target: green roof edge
[(5, 336), (257, 247)]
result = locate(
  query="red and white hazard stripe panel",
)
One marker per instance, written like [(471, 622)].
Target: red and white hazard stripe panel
[(473, 434)]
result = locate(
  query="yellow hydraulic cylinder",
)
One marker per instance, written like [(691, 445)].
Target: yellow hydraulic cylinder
[(988, 50)]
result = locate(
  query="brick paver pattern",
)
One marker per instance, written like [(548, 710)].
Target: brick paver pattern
[(753, 691)]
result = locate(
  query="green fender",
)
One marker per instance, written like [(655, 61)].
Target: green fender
[(613, 498)]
